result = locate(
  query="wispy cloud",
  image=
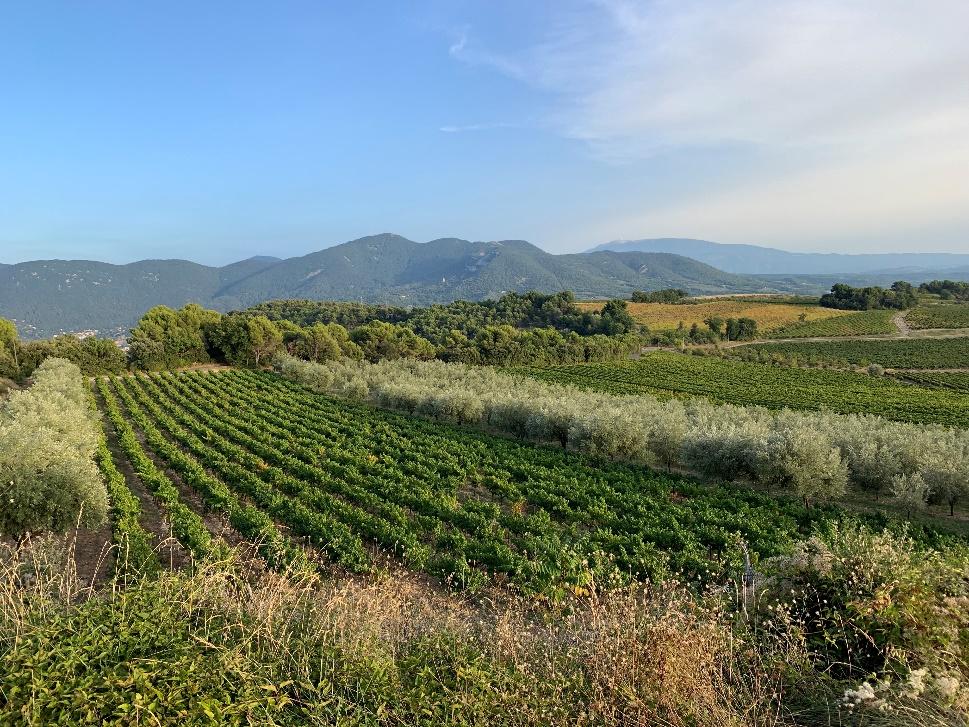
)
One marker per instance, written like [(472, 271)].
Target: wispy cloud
[(845, 100), (487, 126), (464, 49)]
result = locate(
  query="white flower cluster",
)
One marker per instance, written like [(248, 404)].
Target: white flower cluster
[(917, 684)]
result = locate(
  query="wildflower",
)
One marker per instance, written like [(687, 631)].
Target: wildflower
[(947, 686), (864, 692), (916, 683)]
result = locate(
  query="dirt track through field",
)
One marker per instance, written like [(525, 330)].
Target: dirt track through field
[(900, 323)]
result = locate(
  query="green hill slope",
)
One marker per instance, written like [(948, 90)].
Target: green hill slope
[(48, 297)]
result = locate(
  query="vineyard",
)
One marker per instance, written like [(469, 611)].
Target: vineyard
[(769, 316), (736, 382), (955, 315), (956, 381), (863, 323), (283, 463), (927, 353)]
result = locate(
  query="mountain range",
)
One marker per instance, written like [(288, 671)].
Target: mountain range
[(753, 259), (54, 296)]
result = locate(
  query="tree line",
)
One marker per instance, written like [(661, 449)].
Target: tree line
[(900, 296), (546, 329), (436, 323), (947, 289)]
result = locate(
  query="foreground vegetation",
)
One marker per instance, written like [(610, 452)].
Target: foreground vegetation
[(231, 643)]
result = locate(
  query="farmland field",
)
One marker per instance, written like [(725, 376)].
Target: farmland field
[(927, 353), (956, 381), (346, 476), (737, 382), (769, 316), (857, 323), (942, 315)]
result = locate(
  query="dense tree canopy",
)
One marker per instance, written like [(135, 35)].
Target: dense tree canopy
[(245, 340), (166, 338), (436, 322), (947, 289), (667, 295), (900, 296)]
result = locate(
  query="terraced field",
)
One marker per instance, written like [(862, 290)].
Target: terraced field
[(926, 353), (295, 468), (776, 387), (942, 315)]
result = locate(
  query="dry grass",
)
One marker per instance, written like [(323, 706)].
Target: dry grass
[(392, 644), (769, 316), (393, 648)]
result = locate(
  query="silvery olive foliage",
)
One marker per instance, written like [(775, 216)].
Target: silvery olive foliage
[(816, 455), (48, 438)]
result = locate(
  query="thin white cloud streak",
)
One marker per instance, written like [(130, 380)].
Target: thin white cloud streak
[(875, 91), (486, 126)]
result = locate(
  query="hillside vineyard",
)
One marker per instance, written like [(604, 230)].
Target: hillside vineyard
[(345, 476)]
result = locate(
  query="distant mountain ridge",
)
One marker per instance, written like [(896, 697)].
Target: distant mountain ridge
[(757, 260), (48, 297)]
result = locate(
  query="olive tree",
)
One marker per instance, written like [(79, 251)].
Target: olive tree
[(48, 478)]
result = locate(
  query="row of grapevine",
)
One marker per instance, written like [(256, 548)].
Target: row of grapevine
[(455, 502), (227, 493), (861, 323), (954, 380), (135, 552), (186, 525), (940, 315), (250, 522), (907, 353), (742, 383)]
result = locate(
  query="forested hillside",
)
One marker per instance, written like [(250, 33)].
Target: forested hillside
[(378, 269)]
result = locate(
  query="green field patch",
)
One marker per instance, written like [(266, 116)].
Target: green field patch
[(739, 382), (915, 353), (862, 323), (942, 315)]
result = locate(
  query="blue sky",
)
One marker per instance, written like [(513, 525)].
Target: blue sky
[(218, 130)]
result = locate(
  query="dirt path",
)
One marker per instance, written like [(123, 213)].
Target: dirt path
[(93, 554), (899, 320)]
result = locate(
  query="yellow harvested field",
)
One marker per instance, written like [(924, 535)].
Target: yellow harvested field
[(769, 316)]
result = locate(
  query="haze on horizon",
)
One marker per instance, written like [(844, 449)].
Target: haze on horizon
[(217, 131)]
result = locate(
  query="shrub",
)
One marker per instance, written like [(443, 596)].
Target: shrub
[(48, 440), (875, 606)]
